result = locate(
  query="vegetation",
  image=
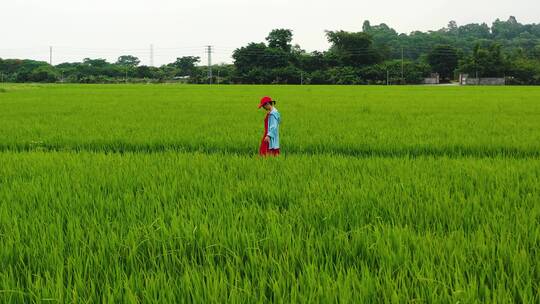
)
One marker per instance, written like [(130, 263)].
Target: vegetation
[(444, 60), (400, 121), (506, 49), (137, 193)]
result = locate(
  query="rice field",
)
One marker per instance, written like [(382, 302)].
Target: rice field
[(154, 193)]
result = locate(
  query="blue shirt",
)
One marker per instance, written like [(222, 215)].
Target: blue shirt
[(274, 120)]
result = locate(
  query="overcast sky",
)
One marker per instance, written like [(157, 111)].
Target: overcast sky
[(109, 28)]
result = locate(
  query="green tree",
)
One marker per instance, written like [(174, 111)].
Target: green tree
[(312, 62), (485, 62), (186, 65), (96, 63), (255, 61), (452, 28), (344, 75), (353, 49), (366, 27), (507, 29), (128, 60), (385, 40), (474, 30), (525, 71), (249, 57), (44, 73), (443, 59), (280, 39), (147, 72), (21, 70), (536, 52)]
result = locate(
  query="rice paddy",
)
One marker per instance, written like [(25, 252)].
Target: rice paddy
[(155, 193)]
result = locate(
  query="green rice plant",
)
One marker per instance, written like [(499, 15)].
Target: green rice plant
[(400, 121), (182, 227), (135, 193)]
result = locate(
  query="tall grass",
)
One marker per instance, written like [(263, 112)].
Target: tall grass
[(204, 228), (344, 120), (144, 194)]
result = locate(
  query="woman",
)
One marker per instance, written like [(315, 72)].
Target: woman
[(270, 141)]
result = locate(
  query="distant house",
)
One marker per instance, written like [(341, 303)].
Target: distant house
[(181, 78), (464, 79), (433, 79)]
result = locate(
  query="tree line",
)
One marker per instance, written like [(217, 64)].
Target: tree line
[(377, 54)]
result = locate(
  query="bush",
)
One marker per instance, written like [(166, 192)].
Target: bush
[(44, 74)]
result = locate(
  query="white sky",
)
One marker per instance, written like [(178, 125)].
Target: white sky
[(109, 28)]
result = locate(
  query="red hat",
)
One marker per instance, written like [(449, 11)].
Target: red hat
[(264, 101)]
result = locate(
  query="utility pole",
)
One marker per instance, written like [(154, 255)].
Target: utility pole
[(402, 66), (209, 50), (50, 55), (151, 55)]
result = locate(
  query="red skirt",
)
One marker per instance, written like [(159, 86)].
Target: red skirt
[(265, 150)]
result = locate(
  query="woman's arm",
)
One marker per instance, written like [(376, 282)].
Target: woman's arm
[(272, 126)]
